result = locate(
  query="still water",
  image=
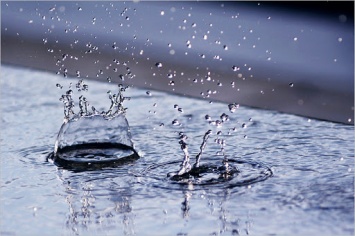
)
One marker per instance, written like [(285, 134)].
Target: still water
[(303, 169)]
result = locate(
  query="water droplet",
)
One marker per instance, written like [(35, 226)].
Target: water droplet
[(175, 122), (244, 126), (176, 106), (205, 37), (159, 64), (149, 93), (269, 18), (340, 40), (59, 86), (224, 117), (188, 44), (193, 25), (109, 79), (219, 84), (291, 85), (207, 117), (171, 83), (233, 107), (225, 47), (295, 39), (80, 9), (235, 68), (162, 13)]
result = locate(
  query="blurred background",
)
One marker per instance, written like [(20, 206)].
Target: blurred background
[(293, 57)]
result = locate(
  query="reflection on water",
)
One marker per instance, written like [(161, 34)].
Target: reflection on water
[(311, 187), (96, 201)]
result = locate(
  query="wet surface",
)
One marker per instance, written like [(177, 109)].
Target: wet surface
[(308, 164)]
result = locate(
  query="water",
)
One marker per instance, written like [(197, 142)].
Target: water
[(303, 168)]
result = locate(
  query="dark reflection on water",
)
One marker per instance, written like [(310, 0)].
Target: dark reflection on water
[(93, 156), (310, 192)]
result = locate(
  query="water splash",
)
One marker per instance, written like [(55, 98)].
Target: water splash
[(202, 147), (185, 165), (91, 139)]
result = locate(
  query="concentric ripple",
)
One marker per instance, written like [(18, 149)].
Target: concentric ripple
[(239, 173)]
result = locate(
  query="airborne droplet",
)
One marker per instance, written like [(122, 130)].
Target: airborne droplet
[(159, 64), (233, 107), (175, 122), (235, 68)]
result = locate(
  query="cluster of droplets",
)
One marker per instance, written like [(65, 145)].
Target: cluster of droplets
[(185, 165), (117, 101), (68, 103), (115, 108)]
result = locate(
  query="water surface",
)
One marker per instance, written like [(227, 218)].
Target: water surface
[(310, 192)]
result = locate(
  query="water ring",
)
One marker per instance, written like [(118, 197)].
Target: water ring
[(94, 142)]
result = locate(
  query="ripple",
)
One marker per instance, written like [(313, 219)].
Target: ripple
[(240, 173), (86, 157)]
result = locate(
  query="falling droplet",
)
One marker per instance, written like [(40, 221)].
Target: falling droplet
[(291, 85), (295, 39), (59, 86), (235, 68), (80, 9), (233, 107), (159, 64), (149, 93), (224, 117), (162, 13), (175, 122), (225, 47)]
